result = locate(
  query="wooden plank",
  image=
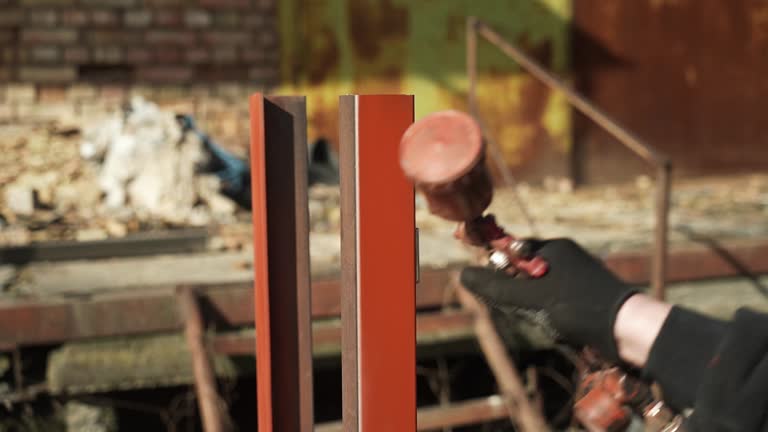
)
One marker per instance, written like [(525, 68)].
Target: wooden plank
[(378, 266), (281, 263)]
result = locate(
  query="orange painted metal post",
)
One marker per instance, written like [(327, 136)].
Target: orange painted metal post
[(281, 263), (378, 267)]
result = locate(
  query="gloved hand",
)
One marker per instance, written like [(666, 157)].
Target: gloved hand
[(578, 297)]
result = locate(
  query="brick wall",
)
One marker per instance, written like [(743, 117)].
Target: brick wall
[(138, 41), (76, 59)]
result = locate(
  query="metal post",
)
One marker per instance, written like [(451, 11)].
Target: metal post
[(281, 263), (378, 267), (661, 244)]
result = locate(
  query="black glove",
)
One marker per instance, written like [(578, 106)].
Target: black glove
[(578, 297)]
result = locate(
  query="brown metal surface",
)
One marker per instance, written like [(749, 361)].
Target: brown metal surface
[(281, 263), (659, 161), (687, 75), (462, 413), (378, 293), (213, 411)]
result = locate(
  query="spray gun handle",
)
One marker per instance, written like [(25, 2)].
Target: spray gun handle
[(515, 255), (506, 252)]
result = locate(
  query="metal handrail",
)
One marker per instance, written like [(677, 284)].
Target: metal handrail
[(659, 161)]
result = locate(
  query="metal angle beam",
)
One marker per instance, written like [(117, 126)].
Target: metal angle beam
[(281, 263), (378, 272)]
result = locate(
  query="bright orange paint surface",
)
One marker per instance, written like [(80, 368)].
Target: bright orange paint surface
[(260, 264), (387, 273)]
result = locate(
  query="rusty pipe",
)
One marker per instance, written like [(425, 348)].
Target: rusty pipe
[(658, 160), (213, 412), (522, 411), (661, 241), (582, 104)]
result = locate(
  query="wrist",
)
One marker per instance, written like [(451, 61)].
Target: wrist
[(636, 327)]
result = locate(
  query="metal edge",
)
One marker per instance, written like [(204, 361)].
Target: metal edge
[(349, 281)]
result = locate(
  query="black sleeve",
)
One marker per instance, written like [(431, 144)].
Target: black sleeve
[(720, 369)]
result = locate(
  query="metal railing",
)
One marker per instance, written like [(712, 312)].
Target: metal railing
[(659, 161)]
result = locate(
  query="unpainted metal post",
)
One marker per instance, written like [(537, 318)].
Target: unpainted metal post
[(378, 297), (281, 263)]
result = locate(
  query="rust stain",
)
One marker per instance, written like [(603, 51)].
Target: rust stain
[(371, 23), (519, 126), (402, 47), (325, 57)]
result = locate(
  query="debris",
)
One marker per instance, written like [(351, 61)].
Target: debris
[(14, 236), (80, 193), (643, 182), (108, 176), (115, 228), (91, 234), (20, 199), (80, 416), (207, 188)]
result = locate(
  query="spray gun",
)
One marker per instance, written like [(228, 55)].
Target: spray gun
[(444, 155)]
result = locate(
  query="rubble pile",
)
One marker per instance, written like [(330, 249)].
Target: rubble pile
[(129, 171), (622, 217), (137, 170), (604, 219)]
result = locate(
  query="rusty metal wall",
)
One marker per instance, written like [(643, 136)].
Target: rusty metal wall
[(333, 47), (686, 75)]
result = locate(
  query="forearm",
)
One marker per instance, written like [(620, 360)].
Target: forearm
[(637, 325), (672, 345)]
